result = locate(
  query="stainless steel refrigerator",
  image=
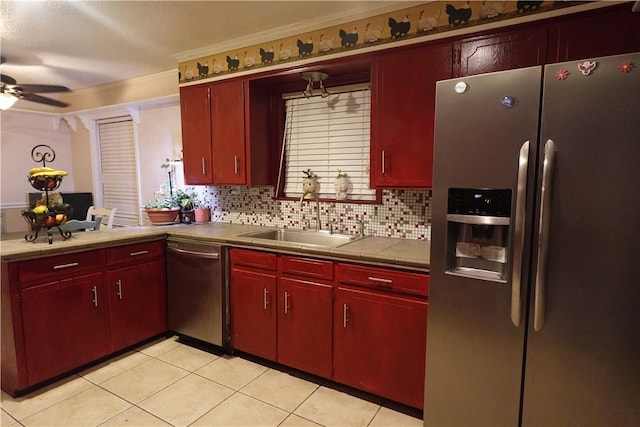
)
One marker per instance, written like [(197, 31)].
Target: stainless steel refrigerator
[(534, 299)]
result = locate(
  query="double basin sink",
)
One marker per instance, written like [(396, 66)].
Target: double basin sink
[(305, 238)]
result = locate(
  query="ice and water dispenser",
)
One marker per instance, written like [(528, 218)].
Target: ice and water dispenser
[(478, 226)]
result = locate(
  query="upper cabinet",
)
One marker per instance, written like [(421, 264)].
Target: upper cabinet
[(525, 47), (402, 112), (221, 144), (228, 132), (195, 109), (610, 31)]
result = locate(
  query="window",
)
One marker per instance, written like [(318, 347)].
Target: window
[(328, 135), (119, 172)]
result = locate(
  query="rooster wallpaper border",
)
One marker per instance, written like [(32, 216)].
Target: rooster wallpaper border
[(418, 21)]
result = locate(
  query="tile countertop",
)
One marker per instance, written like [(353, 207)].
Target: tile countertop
[(406, 253)]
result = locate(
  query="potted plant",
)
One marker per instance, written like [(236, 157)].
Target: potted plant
[(341, 185), (309, 184), (162, 211), (187, 203), (202, 212)]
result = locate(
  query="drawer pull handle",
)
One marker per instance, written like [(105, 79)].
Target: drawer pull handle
[(95, 295), (119, 291), (138, 253), (265, 298), (286, 302), (345, 315), (61, 266), (377, 281)]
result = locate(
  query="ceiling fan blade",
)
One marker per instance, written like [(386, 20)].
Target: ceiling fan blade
[(7, 79), (33, 88), (42, 100)]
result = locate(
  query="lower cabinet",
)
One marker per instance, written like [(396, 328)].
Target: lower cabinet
[(138, 303), (253, 311), (65, 325), (380, 343), (358, 325), (137, 288), (62, 312), (305, 295)]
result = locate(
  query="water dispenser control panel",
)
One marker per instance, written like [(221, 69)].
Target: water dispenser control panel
[(478, 227)]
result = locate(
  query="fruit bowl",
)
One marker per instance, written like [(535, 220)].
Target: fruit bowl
[(47, 218), (45, 182)]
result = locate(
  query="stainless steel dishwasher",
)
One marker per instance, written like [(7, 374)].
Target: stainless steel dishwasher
[(196, 291)]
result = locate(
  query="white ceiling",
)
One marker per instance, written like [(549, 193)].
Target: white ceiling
[(82, 44)]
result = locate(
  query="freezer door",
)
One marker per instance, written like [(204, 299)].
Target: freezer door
[(583, 355), (484, 125)]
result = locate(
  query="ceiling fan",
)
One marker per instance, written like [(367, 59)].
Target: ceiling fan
[(11, 91)]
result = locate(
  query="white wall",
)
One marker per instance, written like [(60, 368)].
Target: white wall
[(20, 132), (159, 138)]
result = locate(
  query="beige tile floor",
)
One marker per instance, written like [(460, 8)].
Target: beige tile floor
[(168, 383)]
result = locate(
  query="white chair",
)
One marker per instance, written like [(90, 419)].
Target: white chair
[(107, 215)]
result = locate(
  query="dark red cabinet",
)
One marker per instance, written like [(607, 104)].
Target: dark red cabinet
[(305, 335), (525, 47), (604, 32), (138, 302), (402, 114), (228, 133), (253, 311), (221, 145), (195, 110), (65, 325), (380, 343), (137, 289)]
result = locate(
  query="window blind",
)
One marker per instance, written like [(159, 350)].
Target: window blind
[(327, 135), (119, 169)]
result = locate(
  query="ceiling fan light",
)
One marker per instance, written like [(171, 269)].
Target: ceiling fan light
[(6, 101)]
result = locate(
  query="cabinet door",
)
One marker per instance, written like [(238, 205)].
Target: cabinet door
[(196, 134), (304, 325), (607, 32), (138, 303), (380, 344), (402, 114), (253, 312), (502, 51), (65, 325), (228, 133)]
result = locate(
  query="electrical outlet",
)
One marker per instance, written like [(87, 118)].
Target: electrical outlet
[(254, 191)]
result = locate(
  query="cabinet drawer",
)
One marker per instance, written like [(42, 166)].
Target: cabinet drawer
[(383, 278), (306, 267), (61, 266), (256, 259), (135, 253)]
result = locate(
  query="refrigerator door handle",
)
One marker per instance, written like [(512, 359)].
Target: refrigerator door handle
[(521, 195), (543, 234)]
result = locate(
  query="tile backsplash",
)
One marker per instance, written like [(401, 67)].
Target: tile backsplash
[(402, 214)]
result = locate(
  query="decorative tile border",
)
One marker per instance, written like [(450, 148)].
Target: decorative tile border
[(403, 213), (418, 21)]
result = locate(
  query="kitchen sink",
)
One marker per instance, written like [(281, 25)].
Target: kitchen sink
[(307, 238)]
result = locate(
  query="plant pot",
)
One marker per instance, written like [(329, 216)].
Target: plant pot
[(187, 217), (341, 187), (202, 214), (310, 187), (162, 216)]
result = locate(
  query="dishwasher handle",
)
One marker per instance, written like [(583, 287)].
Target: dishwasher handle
[(194, 253)]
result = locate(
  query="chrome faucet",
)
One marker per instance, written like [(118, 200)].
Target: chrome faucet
[(360, 227), (318, 226)]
